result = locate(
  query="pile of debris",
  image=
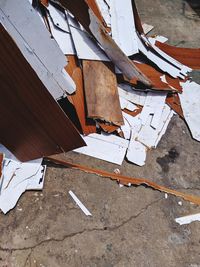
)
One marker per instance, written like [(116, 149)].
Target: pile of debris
[(82, 75)]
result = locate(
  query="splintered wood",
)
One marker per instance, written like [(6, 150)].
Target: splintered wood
[(125, 180), (101, 92)]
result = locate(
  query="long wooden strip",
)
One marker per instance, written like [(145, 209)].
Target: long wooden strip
[(78, 98), (124, 179), (101, 92), (187, 56), (32, 123), (82, 10)]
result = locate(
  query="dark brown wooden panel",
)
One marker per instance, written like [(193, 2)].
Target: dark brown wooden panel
[(32, 124)]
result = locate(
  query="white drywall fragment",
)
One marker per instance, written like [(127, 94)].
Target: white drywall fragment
[(107, 147), (17, 178), (123, 26), (127, 92), (80, 204), (190, 103), (86, 47), (188, 219), (46, 58)]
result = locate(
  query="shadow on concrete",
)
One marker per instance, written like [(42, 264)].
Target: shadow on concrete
[(195, 5)]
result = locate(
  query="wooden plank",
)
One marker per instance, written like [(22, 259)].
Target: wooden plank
[(32, 123), (187, 56), (101, 92), (78, 98)]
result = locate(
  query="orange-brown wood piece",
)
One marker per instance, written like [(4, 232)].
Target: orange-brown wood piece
[(187, 56), (78, 98), (60, 159), (174, 103), (154, 75), (101, 92)]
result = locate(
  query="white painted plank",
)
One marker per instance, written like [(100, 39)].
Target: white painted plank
[(80, 204), (123, 26), (188, 219), (105, 11), (110, 148), (60, 30), (159, 61), (86, 47), (44, 56), (184, 69), (190, 103)]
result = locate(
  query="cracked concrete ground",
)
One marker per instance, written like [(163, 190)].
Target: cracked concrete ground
[(130, 226)]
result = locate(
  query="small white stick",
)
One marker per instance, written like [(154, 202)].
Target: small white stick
[(80, 204), (188, 219)]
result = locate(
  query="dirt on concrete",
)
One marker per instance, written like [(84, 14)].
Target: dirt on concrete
[(130, 227)]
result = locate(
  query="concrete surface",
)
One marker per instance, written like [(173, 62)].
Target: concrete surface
[(130, 226)]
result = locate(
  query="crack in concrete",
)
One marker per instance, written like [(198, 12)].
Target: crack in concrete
[(109, 228)]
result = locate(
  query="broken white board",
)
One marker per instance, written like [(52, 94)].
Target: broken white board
[(126, 129), (190, 103), (125, 104), (145, 48), (123, 26), (60, 30), (105, 11), (17, 178), (127, 92), (136, 152), (188, 219), (107, 147), (150, 136), (147, 28), (80, 204), (184, 69), (25, 26), (85, 46), (154, 104)]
